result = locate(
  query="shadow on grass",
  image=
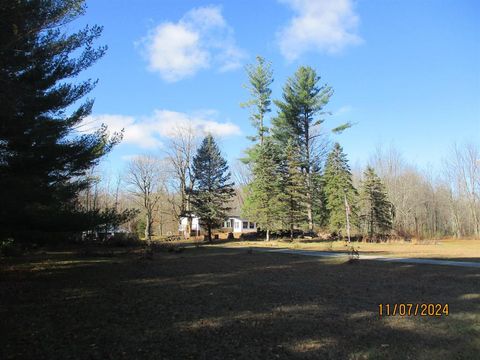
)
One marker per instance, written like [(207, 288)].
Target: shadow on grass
[(468, 259), (230, 304)]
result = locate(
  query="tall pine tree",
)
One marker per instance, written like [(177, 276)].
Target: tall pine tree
[(338, 187), (262, 200), (320, 213), (263, 193), (376, 211), (293, 197), (213, 189), (260, 77), (43, 160), (300, 115)]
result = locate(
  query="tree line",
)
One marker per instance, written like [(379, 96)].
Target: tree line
[(291, 178), (292, 185), (298, 181)]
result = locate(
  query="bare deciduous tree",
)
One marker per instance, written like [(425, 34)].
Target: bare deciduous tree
[(144, 178), (462, 170), (181, 150), (427, 205), (242, 176)]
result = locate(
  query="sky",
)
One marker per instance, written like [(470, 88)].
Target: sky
[(406, 72)]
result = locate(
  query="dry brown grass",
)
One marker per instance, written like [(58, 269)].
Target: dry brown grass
[(441, 249), (208, 303)]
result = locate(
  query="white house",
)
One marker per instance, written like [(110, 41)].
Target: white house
[(233, 223), (183, 226), (239, 225)]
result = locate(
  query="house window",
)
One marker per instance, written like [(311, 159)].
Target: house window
[(245, 224), (237, 225), (252, 225)]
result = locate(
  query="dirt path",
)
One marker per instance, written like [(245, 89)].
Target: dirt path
[(373, 257)]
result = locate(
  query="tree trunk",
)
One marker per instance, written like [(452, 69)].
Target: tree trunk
[(416, 226), (148, 230), (291, 232), (189, 214), (371, 224), (209, 233), (261, 130), (309, 211), (476, 224), (268, 235), (309, 179), (309, 197), (189, 227)]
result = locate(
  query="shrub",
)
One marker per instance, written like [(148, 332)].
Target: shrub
[(162, 246), (173, 238), (123, 240), (248, 236), (44, 238), (8, 247)]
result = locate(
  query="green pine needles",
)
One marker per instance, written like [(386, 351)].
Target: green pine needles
[(294, 190), (260, 77), (376, 217), (212, 189), (43, 159), (338, 187), (288, 189), (263, 202)]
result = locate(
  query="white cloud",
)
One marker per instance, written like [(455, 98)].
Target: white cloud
[(130, 157), (321, 25), (169, 123), (200, 39), (174, 52), (343, 110), (147, 132), (135, 132)]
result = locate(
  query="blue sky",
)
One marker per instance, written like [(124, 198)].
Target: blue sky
[(406, 72)]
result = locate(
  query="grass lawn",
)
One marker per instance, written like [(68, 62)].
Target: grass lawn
[(451, 249), (212, 303)]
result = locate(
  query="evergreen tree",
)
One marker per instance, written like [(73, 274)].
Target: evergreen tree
[(293, 197), (263, 193), (261, 202), (338, 187), (376, 211), (320, 213), (260, 78), (43, 160), (299, 118), (212, 189)]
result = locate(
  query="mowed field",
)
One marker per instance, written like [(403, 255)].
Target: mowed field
[(451, 249), (212, 303)]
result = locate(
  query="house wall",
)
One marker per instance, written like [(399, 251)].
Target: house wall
[(248, 227), (184, 223), (239, 226)]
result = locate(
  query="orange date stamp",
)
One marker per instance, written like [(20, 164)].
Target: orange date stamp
[(410, 309)]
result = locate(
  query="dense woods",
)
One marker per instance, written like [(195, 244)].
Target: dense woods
[(388, 191)]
